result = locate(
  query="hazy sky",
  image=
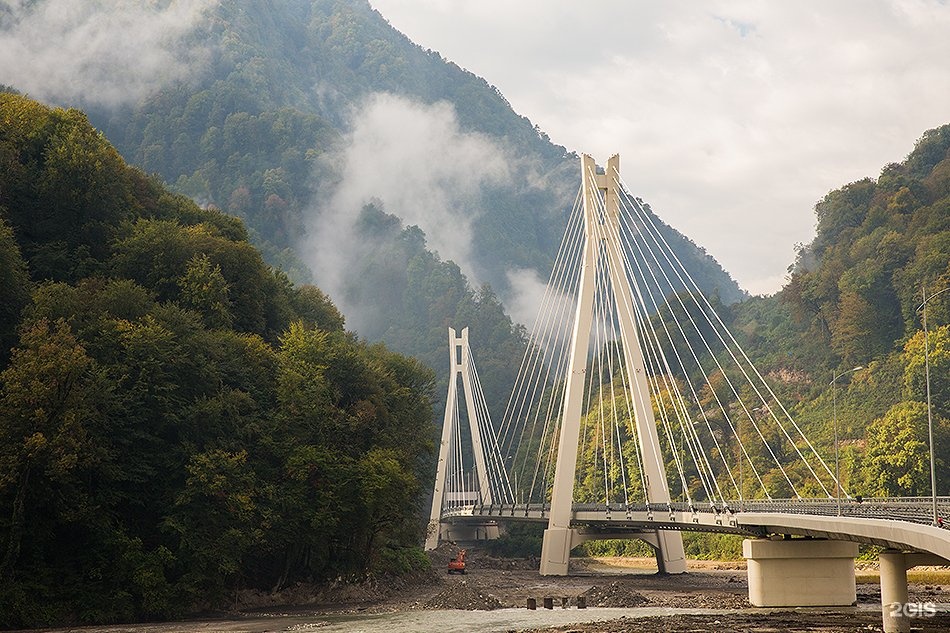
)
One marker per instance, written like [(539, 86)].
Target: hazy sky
[(732, 119)]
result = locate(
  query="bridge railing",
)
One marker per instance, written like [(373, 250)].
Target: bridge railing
[(910, 509)]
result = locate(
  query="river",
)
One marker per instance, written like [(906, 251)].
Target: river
[(403, 622)]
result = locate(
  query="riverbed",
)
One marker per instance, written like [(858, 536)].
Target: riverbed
[(622, 596)]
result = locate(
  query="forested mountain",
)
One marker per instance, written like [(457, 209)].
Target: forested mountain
[(274, 128), (177, 420), (853, 298)]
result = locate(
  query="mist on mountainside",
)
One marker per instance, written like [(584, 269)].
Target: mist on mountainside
[(310, 118), (93, 53), (413, 161)]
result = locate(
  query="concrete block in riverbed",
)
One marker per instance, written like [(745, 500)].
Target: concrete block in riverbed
[(548, 603), (532, 604)]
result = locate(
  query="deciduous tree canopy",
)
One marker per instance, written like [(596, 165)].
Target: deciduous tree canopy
[(177, 420)]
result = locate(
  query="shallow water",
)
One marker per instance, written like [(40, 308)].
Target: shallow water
[(466, 621), (447, 621)]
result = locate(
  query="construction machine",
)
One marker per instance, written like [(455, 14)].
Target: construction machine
[(457, 564)]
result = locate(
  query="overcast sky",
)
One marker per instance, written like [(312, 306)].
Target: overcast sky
[(732, 119)]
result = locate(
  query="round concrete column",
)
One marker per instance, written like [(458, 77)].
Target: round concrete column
[(894, 591)]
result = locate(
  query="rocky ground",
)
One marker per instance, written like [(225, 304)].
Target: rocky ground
[(502, 583), (498, 583)]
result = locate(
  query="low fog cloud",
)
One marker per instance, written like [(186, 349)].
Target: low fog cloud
[(732, 118), (530, 296), (415, 160), (102, 53)]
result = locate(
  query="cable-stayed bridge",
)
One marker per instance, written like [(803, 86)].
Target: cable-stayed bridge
[(637, 414)]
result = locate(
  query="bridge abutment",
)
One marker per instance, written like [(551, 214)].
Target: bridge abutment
[(469, 532), (800, 572)]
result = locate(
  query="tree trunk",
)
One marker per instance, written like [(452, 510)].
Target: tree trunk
[(16, 529)]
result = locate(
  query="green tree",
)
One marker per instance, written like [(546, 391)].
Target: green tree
[(48, 403), (915, 386), (14, 288), (217, 521), (897, 457), (204, 290)]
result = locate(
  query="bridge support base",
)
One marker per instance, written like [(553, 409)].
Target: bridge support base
[(558, 543), (668, 546), (894, 591), (800, 572), (556, 550)]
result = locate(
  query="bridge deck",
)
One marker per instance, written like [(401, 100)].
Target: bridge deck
[(899, 523)]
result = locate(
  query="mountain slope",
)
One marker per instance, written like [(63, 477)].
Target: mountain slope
[(269, 131), (854, 299)]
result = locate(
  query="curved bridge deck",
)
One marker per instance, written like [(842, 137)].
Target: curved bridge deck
[(899, 523)]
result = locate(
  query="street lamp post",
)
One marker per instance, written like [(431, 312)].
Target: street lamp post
[(930, 422), (834, 417)]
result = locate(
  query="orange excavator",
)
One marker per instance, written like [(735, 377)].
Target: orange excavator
[(457, 564)]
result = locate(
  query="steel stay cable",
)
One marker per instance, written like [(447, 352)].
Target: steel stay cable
[(636, 392), (493, 456), (559, 370), (736, 395), (547, 332), (655, 373), (561, 253), (614, 417), (764, 401), (602, 311), (732, 387), (659, 362), (628, 238), (634, 433), (560, 268), (669, 252)]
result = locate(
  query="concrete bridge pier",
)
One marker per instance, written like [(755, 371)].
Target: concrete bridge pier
[(800, 572), (893, 565), (896, 610)]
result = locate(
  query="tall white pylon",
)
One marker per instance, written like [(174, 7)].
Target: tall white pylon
[(602, 241), (459, 366)]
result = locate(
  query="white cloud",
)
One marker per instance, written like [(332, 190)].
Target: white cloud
[(540, 308), (97, 51), (732, 117), (414, 159)]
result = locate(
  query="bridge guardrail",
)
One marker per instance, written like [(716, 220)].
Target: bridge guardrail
[(917, 510)]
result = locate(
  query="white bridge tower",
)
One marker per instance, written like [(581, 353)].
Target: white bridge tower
[(451, 487), (601, 199)]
